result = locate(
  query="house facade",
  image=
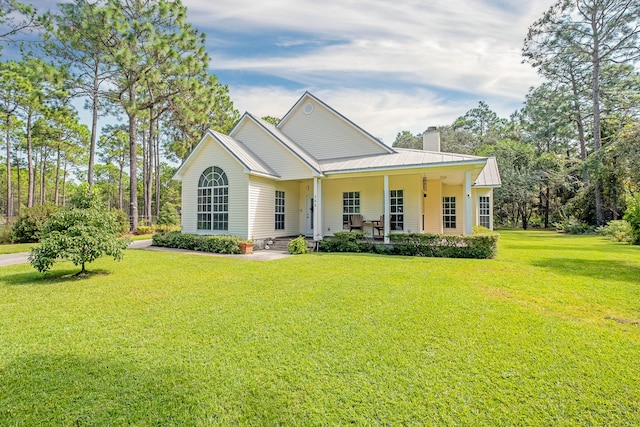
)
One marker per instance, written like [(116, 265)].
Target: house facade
[(314, 170)]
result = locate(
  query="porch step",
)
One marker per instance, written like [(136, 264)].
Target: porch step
[(282, 243)]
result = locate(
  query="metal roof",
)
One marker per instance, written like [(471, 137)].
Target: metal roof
[(245, 156), (401, 159), (490, 175)]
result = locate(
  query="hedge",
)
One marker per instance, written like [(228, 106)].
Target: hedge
[(195, 242), (431, 245)]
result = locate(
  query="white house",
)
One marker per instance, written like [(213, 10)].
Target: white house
[(316, 169)]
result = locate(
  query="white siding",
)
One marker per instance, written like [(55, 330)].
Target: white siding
[(262, 208), (270, 151), (212, 154), (327, 136)]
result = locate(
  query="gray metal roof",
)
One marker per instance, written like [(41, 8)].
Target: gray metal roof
[(490, 175), (402, 158), (245, 156)]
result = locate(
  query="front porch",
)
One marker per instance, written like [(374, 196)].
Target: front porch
[(438, 202)]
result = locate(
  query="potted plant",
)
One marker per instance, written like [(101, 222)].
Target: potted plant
[(246, 246)]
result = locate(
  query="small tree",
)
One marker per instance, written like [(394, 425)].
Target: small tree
[(632, 215), (168, 215), (81, 234)]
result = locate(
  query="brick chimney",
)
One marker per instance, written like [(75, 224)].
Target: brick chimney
[(431, 139)]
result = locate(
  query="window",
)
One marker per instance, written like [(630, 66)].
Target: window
[(213, 200), (396, 219), (350, 206), (484, 209), (279, 221), (449, 212)]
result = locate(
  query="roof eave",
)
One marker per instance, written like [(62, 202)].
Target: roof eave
[(406, 167)]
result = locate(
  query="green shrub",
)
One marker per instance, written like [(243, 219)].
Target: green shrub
[(345, 241), (415, 244), (161, 228), (27, 228), (123, 220), (194, 242), (619, 230), (168, 215), (143, 229), (573, 225), (298, 246), (80, 235), (632, 215), (5, 233), (479, 229), (480, 246)]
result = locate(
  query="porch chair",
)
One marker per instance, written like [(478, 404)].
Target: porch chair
[(356, 222), (379, 226)]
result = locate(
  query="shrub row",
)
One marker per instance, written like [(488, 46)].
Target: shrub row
[(432, 245), (194, 242)]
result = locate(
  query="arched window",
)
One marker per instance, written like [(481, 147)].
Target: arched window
[(213, 200)]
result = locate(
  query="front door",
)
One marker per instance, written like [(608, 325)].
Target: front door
[(309, 217)]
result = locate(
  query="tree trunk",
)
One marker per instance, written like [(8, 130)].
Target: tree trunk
[(64, 183), (547, 208), (145, 174), (597, 141), (19, 204), (9, 195), (31, 185), (120, 192), (57, 185), (94, 125), (43, 172), (157, 175), (133, 162)]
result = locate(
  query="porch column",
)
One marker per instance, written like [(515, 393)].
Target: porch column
[(468, 212), (317, 209), (387, 209)]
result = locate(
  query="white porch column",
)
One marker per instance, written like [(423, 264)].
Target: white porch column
[(387, 209), (468, 211), (317, 209)]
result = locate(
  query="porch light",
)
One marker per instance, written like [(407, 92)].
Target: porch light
[(424, 184)]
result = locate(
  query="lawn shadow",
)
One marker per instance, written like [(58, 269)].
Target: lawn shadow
[(51, 277), (596, 269), (71, 390)]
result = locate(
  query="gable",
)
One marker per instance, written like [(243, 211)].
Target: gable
[(236, 151), (326, 134), (270, 150)]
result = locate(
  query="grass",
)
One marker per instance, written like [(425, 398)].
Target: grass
[(546, 334), (25, 247), (15, 248)]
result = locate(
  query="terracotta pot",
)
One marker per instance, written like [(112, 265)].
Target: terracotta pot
[(246, 248)]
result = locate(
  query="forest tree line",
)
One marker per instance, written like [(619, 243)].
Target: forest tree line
[(138, 60), (572, 153)]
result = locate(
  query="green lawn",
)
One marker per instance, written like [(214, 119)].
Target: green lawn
[(546, 334), (15, 248)]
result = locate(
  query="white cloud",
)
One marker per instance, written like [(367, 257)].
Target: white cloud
[(395, 65)]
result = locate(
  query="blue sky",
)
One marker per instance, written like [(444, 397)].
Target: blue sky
[(387, 65)]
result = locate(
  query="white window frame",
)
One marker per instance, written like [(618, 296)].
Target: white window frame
[(449, 216), (396, 217), (213, 200), (351, 205), (279, 220), (484, 211)]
